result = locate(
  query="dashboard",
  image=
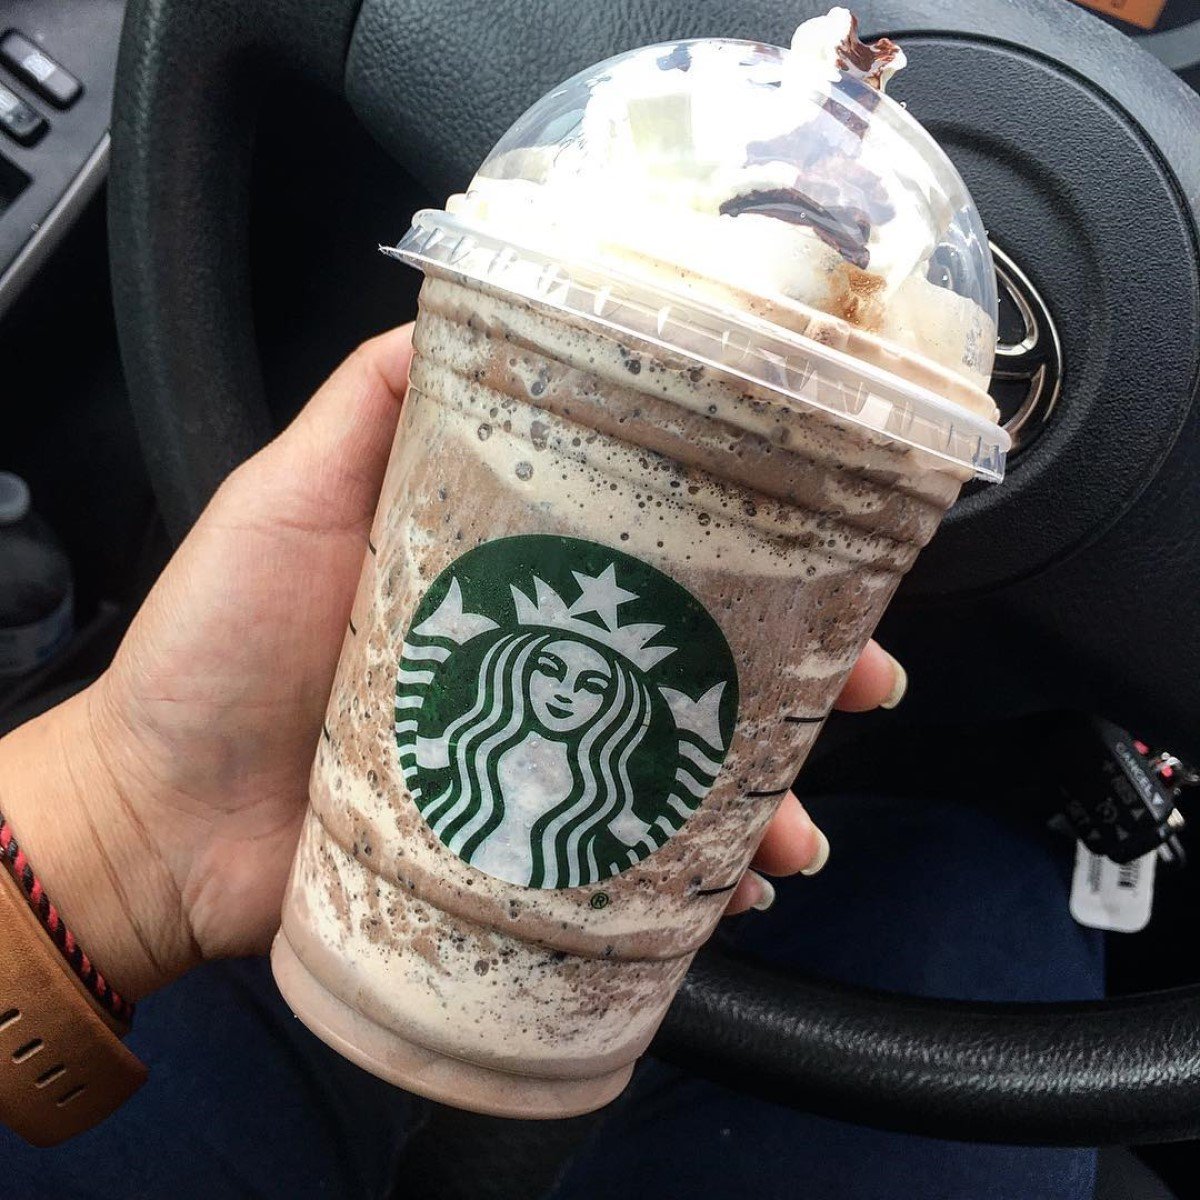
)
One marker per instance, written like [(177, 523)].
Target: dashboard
[(58, 59)]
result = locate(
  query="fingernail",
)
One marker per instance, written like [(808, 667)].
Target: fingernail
[(899, 685), (820, 858), (766, 892)]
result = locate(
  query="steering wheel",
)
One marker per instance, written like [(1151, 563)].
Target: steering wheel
[(1060, 587)]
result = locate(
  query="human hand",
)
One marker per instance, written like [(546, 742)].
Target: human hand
[(792, 843), (185, 767)]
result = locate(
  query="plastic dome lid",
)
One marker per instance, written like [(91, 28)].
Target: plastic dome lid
[(768, 212)]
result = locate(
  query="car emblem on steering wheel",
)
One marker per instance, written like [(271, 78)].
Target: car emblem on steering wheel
[(1027, 378)]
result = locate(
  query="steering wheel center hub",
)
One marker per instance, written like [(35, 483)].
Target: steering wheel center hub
[(1085, 201)]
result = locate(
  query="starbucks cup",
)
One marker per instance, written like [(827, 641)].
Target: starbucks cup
[(699, 366)]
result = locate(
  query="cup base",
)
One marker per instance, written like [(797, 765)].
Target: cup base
[(426, 1072)]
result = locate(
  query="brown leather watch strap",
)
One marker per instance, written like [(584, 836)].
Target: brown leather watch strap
[(63, 1067)]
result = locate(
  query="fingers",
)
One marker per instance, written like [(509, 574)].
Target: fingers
[(752, 892), (792, 843), (877, 681)]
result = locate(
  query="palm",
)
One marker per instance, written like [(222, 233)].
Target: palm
[(225, 674), (228, 705)]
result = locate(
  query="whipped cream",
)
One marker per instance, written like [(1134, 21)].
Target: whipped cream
[(730, 170), (829, 46)]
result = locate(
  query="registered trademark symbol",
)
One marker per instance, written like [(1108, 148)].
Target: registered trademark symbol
[(600, 900)]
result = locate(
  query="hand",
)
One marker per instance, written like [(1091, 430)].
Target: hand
[(792, 842), (178, 781)]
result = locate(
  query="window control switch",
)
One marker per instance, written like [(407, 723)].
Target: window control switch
[(22, 122), (32, 65)]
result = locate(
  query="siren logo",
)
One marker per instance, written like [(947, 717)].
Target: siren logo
[(561, 709)]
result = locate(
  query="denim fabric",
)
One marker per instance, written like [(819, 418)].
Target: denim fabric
[(936, 898)]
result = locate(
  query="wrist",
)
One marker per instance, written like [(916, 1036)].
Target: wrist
[(86, 832)]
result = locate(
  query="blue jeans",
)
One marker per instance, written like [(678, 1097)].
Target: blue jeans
[(935, 898), (931, 898)]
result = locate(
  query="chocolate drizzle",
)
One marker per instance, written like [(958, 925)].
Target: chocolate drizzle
[(843, 227), (864, 61), (835, 193), (838, 196)]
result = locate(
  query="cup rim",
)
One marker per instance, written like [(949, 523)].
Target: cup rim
[(728, 340)]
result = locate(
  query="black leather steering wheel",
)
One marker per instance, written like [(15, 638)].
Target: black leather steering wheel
[(1082, 154)]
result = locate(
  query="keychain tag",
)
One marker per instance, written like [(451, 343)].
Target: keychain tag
[(1114, 896)]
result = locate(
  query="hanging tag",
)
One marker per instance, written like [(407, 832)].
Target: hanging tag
[(1113, 896), (1145, 13)]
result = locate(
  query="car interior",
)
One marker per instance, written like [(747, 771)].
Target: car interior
[(192, 197)]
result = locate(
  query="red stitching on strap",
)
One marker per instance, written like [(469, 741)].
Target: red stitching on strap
[(35, 894)]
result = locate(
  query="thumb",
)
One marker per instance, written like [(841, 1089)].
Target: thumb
[(326, 468)]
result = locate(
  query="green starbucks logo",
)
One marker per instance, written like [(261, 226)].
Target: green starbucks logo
[(561, 709)]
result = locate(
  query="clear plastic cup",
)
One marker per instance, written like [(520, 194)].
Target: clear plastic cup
[(700, 364)]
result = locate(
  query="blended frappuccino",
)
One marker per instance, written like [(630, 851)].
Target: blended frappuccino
[(699, 367)]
